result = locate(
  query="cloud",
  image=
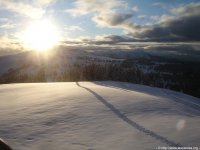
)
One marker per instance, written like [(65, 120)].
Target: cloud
[(83, 7), (73, 28), (187, 10), (4, 19), (161, 18), (33, 10), (142, 16), (111, 19), (161, 5), (22, 8), (135, 9), (182, 26), (186, 28), (44, 2), (112, 13), (115, 40), (9, 45), (106, 40), (116, 20), (8, 26)]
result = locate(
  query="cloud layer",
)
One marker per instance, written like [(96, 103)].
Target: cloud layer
[(182, 25), (112, 13), (35, 9), (179, 23)]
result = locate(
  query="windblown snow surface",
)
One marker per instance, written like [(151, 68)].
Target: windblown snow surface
[(96, 116)]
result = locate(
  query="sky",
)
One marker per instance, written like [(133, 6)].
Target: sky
[(100, 23)]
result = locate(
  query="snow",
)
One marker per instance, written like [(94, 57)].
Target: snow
[(96, 116)]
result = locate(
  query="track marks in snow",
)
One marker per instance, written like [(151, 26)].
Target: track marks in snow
[(132, 123)]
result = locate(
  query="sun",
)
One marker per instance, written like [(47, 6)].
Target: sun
[(41, 35)]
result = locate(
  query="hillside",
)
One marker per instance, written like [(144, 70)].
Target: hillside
[(96, 116), (61, 65)]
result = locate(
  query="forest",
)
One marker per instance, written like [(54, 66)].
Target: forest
[(180, 77)]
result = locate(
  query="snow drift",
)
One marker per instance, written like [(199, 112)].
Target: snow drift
[(96, 116)]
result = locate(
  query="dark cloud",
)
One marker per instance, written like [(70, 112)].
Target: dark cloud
[(185, 28), (113, 19), (182, 26), (154, 32), (112, 39)]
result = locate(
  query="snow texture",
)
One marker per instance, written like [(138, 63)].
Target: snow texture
[(96, 116)]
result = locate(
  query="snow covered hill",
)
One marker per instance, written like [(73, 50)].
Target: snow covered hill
[(96, 116)]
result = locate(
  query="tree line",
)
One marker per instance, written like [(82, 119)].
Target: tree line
[(125, 72)]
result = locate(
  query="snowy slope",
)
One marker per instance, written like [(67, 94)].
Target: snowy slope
[(96, 116)]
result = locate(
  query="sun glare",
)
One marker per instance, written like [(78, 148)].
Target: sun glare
[(41, 35)]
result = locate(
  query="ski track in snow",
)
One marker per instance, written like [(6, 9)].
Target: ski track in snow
[(96, 116), (131, 122)]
